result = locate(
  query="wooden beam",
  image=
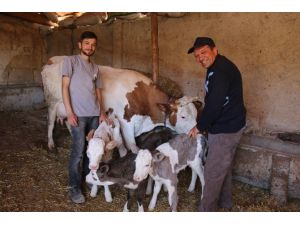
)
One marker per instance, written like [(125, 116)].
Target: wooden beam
[(51, 16), (31, 17), (155, 50)]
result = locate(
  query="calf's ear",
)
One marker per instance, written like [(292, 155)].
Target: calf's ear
[(158, 156), (90, 135), (104, 169), (111, 145)]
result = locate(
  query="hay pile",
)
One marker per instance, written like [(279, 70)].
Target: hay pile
[(33, 179)]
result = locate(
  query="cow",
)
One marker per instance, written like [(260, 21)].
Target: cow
[(171, 158), (129, 171), (137, 102), (101, 143)]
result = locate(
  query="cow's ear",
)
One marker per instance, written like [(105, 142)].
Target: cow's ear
[(90, 135), (104, 169), (198, 105), (158, 156), (164, 107)]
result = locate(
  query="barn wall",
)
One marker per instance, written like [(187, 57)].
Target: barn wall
[(265, 47), (22, 52)]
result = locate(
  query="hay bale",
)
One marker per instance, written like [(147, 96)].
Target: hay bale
[(167, 85)]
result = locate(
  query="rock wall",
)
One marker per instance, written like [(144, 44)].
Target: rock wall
[(22, 54)]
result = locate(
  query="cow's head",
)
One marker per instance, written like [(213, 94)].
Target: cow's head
[(142, 165), (182, 114)]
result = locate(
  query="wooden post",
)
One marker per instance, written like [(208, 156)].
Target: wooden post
[(154, 38)]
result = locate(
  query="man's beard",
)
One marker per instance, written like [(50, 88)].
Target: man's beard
[(87, 54)]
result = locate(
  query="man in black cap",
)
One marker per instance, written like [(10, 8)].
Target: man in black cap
[(223, 117)]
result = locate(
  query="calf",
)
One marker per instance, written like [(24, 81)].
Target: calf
[(172, 157), (101, 143), (152, 139), (129, 171)]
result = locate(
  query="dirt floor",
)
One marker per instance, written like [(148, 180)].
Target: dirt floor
[(33, 179)]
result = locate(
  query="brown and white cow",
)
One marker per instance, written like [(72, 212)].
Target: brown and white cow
[(137, 102)]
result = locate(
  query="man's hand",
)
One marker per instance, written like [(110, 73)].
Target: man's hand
[(72, 119), (193, 132)]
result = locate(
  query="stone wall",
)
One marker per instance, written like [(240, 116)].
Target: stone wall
[(22, 54)]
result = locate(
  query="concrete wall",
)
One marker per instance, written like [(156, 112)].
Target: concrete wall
[(257, 159), (265, 47), (22, 54)]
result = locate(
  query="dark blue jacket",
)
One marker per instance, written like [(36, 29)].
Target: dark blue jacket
[(224, 110)]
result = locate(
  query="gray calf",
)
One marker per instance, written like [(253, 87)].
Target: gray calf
[(174, 156), (151, 140)]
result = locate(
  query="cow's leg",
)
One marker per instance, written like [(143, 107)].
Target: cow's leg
[(68, 126), (107, 194), (149, 186), (172, 195), (128, 131), (51, 123), (193, 181), (94, 191), (122, 150), (156, 190)]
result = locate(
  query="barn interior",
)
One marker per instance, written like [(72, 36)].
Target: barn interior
[(265, 47)]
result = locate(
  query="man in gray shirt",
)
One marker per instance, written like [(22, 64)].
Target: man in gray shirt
[(81, 90)]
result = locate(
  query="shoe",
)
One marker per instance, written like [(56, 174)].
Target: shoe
[(76, 196)]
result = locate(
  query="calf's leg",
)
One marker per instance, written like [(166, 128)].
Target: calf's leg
[(156, 190), (94, 191), (107, 194)]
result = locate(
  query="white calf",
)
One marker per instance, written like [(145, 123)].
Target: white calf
[(101, 142)]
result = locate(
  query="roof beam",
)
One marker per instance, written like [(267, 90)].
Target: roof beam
[(31, 17)]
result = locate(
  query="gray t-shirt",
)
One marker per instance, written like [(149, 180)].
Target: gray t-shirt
[(84, 79)]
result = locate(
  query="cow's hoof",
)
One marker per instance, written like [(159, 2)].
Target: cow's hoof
[(93, 195), (141, 208), (151, 207), (51, 145), (108, 199), (191, 190)]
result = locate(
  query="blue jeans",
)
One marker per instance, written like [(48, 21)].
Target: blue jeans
[(78, 150)]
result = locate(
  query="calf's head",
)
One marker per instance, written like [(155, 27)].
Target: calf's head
[(95, 152), (142, 165)]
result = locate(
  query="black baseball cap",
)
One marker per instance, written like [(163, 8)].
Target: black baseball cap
[(202, 41)]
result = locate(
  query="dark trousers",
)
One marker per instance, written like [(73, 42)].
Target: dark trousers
[(218, 171), (78, 150)]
